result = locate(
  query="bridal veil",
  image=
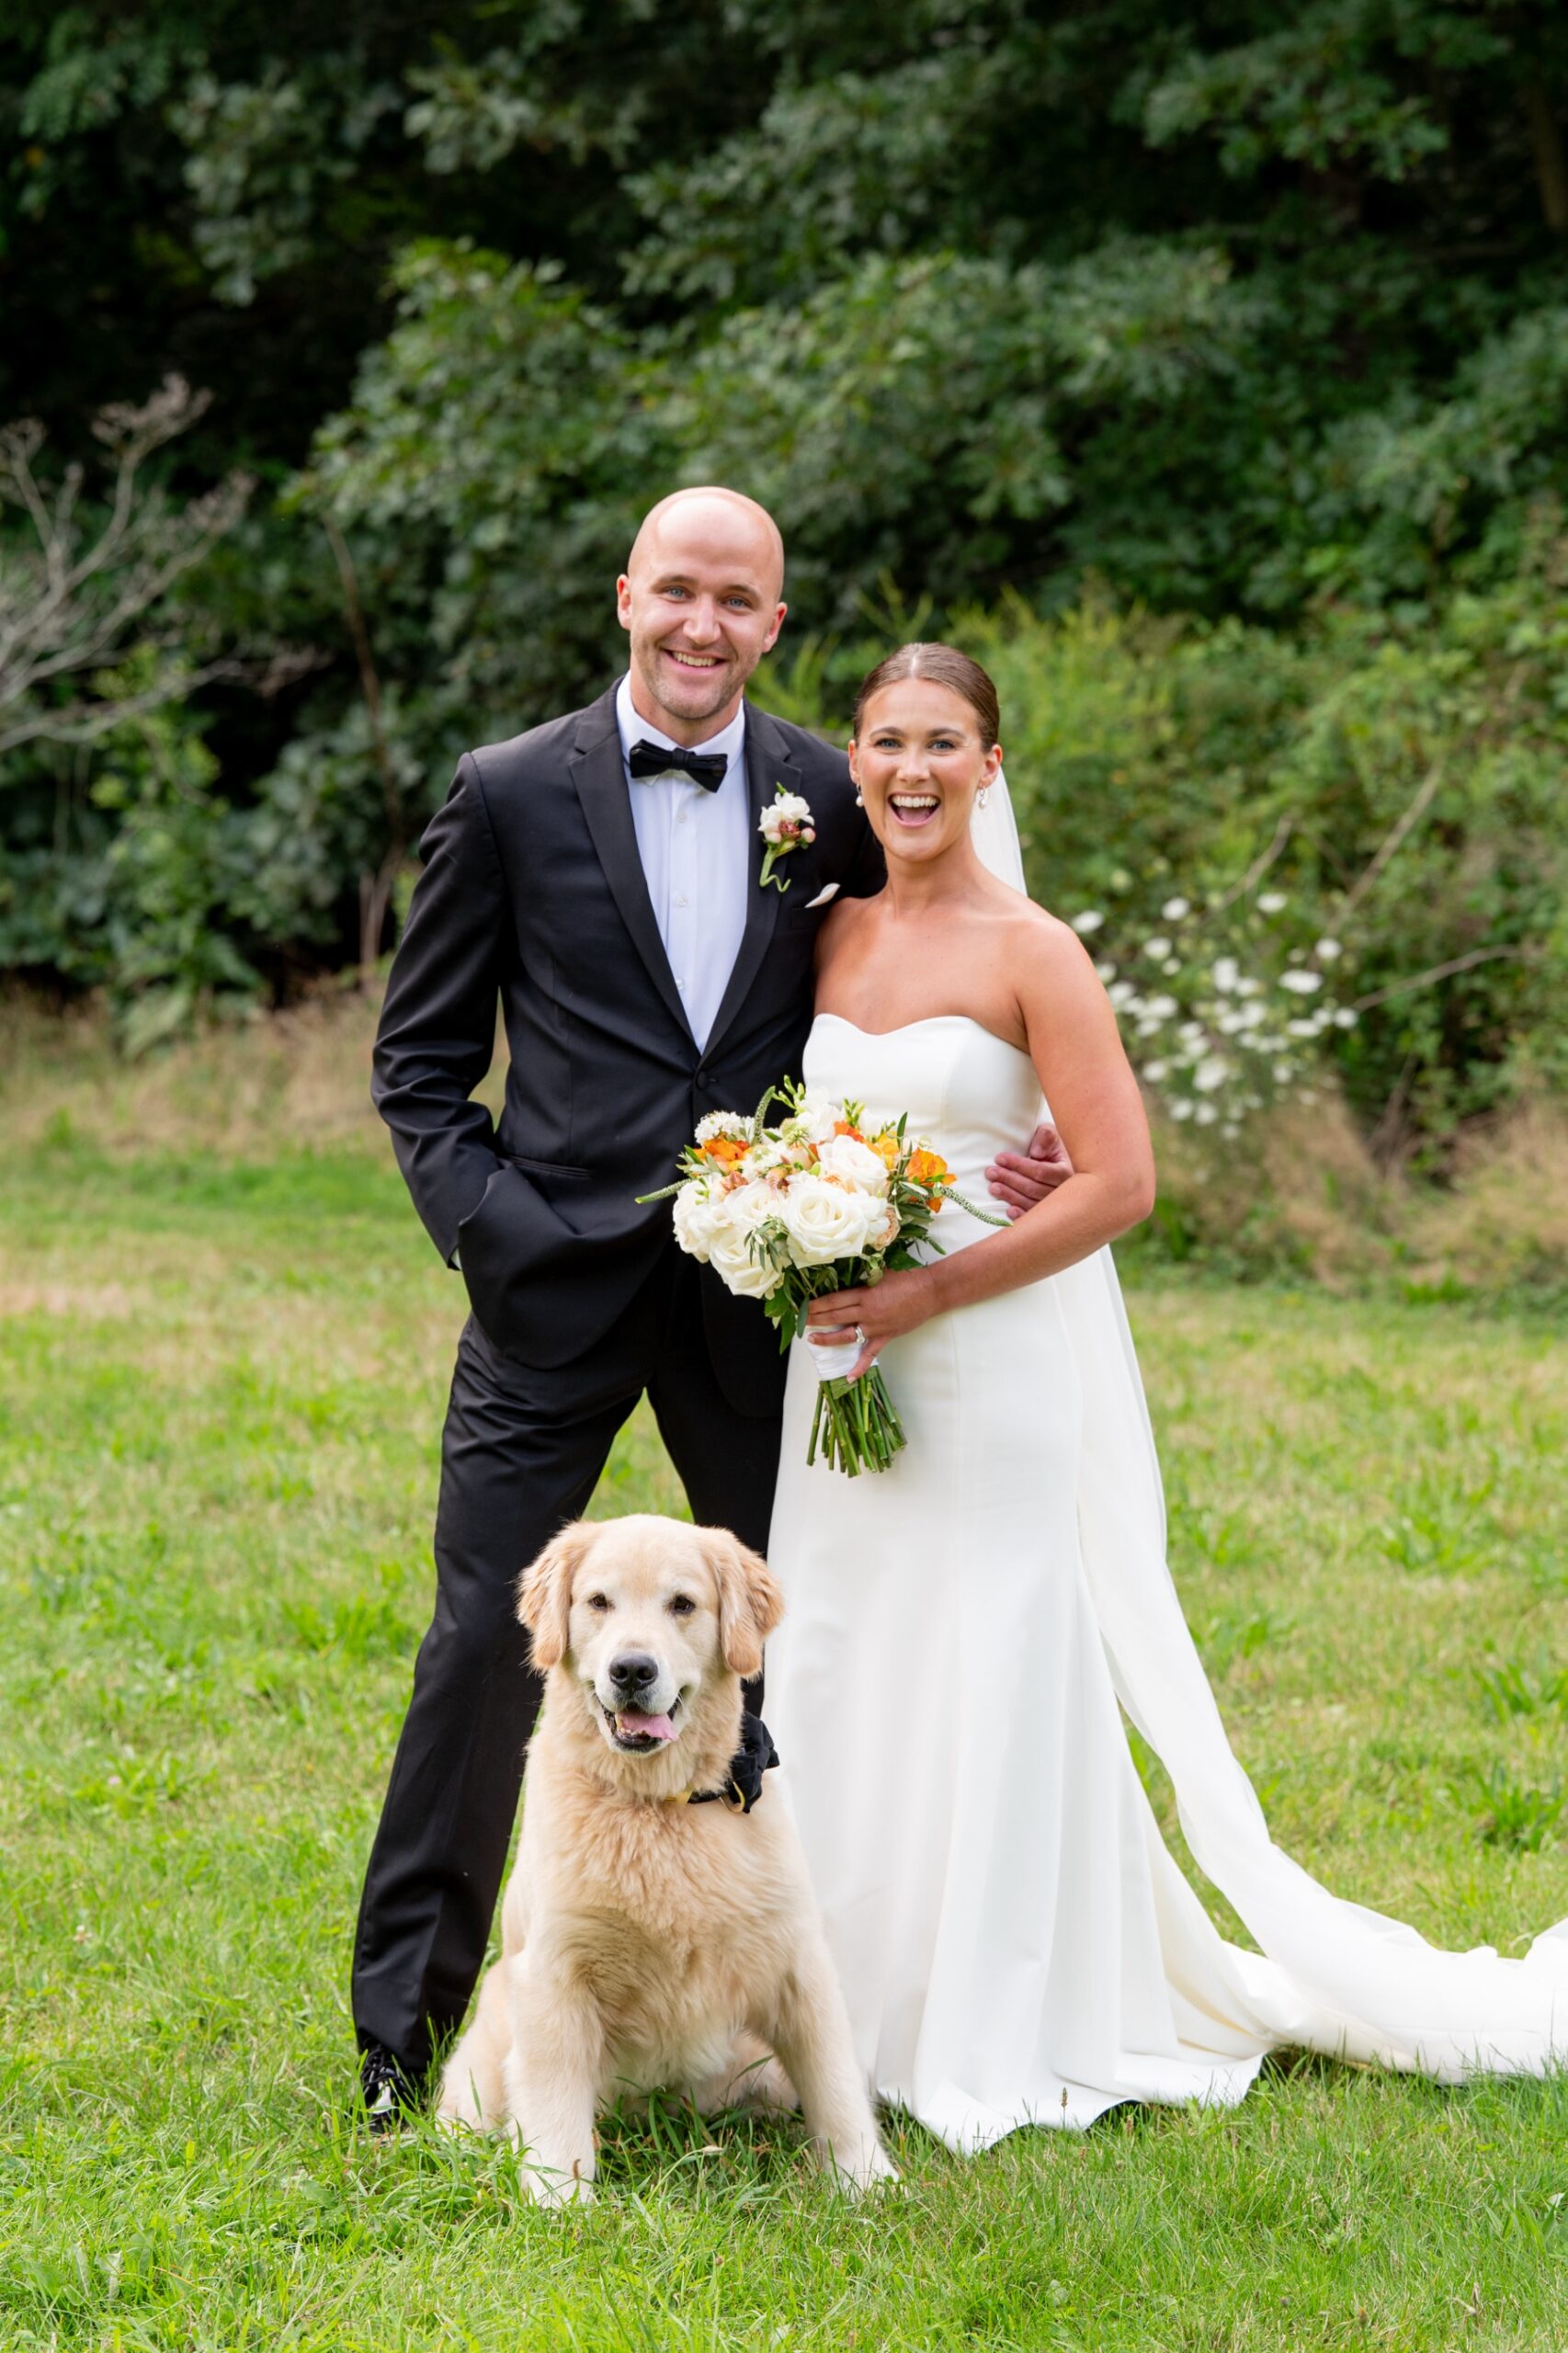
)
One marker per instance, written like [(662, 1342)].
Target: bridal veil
[(1330, 1976)]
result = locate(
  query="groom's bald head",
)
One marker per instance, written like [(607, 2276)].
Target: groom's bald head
[(701, 599), (722, 520)]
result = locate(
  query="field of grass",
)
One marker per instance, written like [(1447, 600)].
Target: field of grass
[(220, 1387)]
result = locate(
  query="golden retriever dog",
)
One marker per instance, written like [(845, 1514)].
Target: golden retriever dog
[(648, 1942)]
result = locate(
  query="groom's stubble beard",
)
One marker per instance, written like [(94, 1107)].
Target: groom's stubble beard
[(703, 694)]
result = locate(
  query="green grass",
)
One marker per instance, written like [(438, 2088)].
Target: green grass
[(221, 1389)]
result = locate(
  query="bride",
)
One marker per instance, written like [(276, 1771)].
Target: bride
[(964, 1630)]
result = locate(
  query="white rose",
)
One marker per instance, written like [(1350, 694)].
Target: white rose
[(815, 1120), (739, 1271), (747, 1206), (784, 818), (697, 1217), (824, 1222), (730, 1254), (855, 1164)]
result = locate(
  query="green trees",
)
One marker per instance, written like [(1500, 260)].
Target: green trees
[(1252, 320)]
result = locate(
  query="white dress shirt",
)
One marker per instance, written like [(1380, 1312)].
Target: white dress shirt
[(693, 845)]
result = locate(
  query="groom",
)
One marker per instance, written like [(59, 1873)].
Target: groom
[(599, 878)]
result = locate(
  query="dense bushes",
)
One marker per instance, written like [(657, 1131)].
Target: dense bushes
[(1368, 814), (1207, 376)]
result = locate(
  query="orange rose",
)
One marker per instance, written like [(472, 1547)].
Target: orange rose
[(725, 1150), (927, 1169), (848, 1128)]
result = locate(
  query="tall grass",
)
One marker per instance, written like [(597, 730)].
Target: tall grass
[(222, 1366), (1299, 1197)]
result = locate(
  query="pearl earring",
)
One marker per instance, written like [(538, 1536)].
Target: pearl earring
[(984, 795), (860, 798)]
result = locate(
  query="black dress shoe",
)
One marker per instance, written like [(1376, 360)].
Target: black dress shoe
[(389, 2092)]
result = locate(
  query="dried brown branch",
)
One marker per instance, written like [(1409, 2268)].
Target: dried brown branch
[(1438, 972), (1393, 840), (1256, 870), (375, 889), (80, 597)]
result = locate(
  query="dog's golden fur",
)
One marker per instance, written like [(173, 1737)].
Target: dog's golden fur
[(647, 1942)]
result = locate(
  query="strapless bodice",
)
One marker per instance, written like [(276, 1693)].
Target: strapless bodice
[(968, 1094)]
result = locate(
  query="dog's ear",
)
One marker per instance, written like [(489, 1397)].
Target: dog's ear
[(544, 1591), (750, 1604)]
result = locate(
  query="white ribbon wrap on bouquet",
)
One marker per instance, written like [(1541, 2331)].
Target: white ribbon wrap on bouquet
[(832, 1360)]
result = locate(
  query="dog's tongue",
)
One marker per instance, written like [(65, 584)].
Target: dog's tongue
[(637, 1726)]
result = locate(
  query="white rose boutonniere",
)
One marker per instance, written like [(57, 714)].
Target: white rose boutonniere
[(784, 826)]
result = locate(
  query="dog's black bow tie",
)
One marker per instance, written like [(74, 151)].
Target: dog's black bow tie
[(707, 769), (755, 1757)]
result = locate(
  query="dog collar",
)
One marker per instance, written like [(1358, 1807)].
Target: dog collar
[(743, 1784)]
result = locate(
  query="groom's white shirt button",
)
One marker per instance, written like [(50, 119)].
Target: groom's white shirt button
[(693, 845)]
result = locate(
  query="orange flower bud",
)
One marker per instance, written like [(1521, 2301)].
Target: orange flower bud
[(927, 1168)]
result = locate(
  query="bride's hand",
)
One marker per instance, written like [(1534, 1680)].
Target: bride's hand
[(901, 1302)]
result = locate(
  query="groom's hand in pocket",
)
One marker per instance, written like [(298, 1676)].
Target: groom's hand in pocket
[(1021, 1179)]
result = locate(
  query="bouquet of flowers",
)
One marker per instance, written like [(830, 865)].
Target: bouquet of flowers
[(820, 1201)]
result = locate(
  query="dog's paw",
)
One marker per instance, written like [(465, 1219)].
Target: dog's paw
[(855, 2168), (555, 2187)]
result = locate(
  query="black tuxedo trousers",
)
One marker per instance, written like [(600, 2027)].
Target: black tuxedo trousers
[(521, 1452)]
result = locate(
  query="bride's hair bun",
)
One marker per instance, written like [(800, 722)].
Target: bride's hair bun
[(945, 666)]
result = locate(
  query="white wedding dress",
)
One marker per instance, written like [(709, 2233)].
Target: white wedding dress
[(1015, 1942)]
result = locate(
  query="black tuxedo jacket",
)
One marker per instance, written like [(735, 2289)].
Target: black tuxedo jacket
[(533, 895)]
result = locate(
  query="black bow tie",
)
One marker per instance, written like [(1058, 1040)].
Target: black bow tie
[(707, 769)]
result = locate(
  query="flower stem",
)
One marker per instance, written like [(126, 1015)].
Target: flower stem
[(855, 1425)]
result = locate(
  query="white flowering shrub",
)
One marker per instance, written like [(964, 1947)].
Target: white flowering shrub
[(1224, 1011)]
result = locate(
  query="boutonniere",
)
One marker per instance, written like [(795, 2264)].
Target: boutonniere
[(783, 826)]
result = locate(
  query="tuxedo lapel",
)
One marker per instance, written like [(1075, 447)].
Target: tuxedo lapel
[(768, 764), (599, 772)]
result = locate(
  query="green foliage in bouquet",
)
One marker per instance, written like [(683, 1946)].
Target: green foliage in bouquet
[(823, 1201)]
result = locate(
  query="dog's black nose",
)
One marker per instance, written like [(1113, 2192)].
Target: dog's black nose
[(633, 1671)]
